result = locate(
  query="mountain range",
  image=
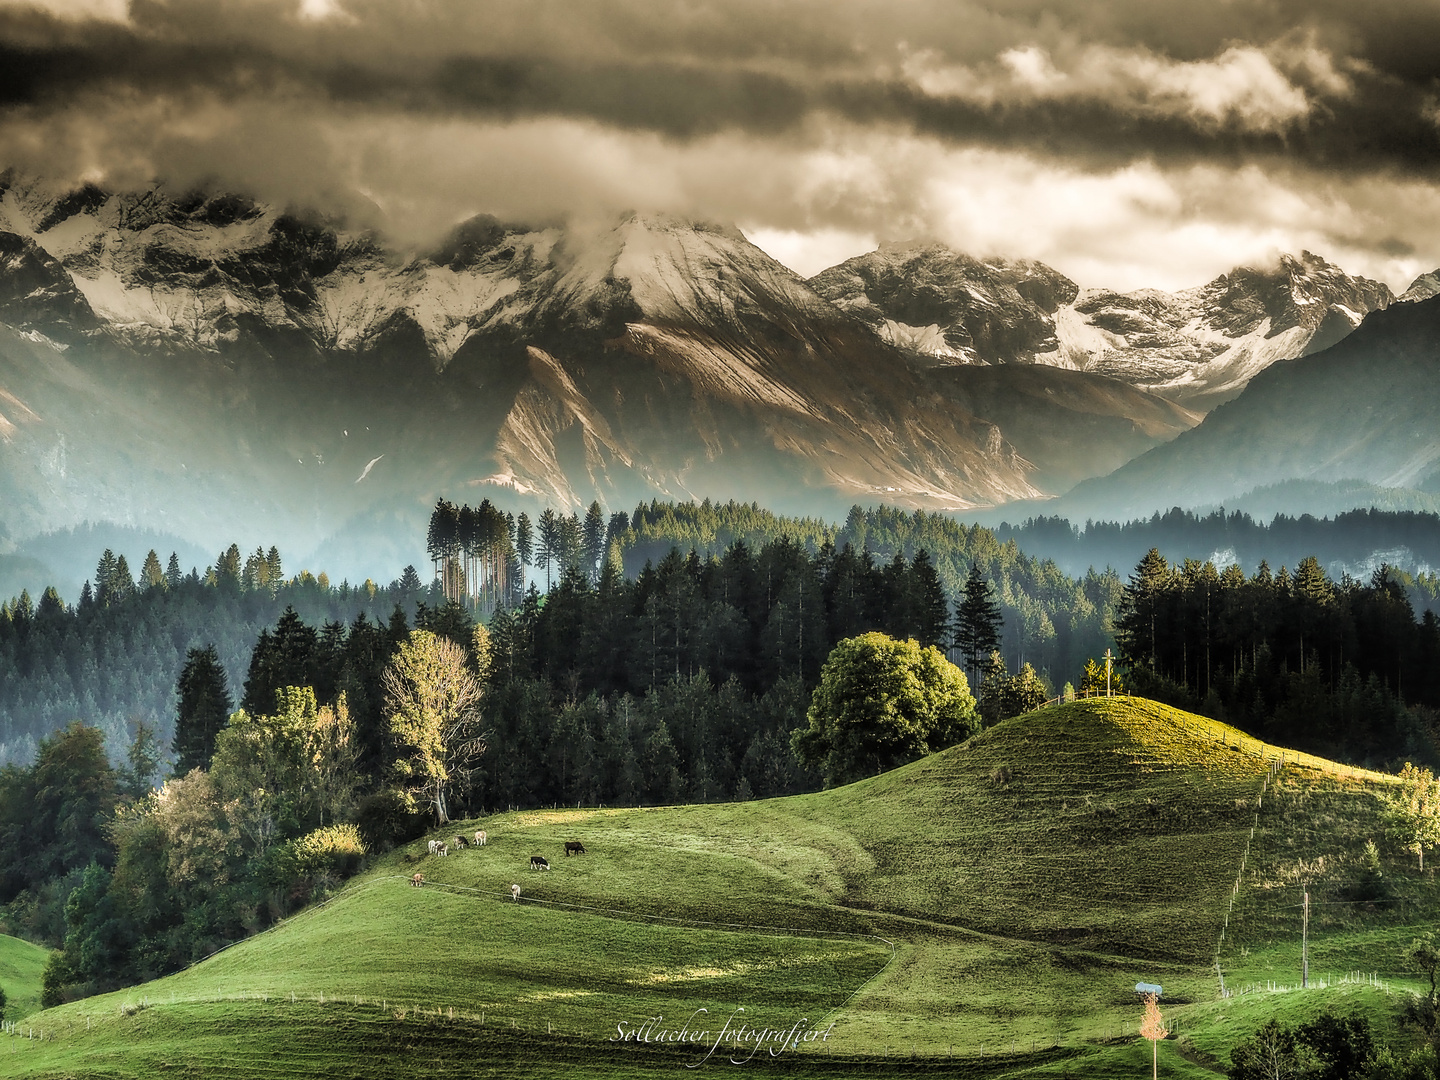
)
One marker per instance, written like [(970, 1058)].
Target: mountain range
[(224, 369), (1197, 347), (1366, 409)]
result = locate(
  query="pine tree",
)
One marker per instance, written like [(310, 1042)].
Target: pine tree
[(548, 537), (150, 573), (288, 657), (932, 610), (977, 621), (104, 572), (51, 607), (594, 540), (204, 706), (121, 585), (228, 566), (525, 540), (173, 573), (1139, 627)]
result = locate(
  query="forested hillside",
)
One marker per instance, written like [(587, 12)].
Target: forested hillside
[(113, 658), (1355, 541)]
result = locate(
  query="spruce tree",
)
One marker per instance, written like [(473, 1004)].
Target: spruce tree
[(150, 574), (204, 706), (288, 657), (104, 572), (1139, 627), (594, 540), (977, 621), (525, 540), (932, 610), (173, 573), (121, 585), (228, 566), (548, 537)]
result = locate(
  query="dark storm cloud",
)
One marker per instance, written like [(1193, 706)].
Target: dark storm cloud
[(1125, 141), (1312, 83)]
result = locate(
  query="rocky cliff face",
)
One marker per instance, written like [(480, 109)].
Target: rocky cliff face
[(949, 308)]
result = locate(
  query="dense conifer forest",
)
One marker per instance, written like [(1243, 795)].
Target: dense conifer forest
[(113, 658), (1355, 539), (1338, 667), (665, 655)]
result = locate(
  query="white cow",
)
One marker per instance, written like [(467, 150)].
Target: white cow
[(480, 838), (434, 846), (515, 893)]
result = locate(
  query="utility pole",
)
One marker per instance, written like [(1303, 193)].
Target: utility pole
[(1107, 672), (1305, 945)]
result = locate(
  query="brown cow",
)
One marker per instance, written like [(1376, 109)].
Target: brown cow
[(418, 880), (574, 847)]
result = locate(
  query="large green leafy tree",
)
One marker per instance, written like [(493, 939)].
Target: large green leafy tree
[(882, 703), (203, 707), (1414, 811), (431, 698), (53, 815)]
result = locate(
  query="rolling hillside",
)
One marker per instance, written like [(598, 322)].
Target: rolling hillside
[(21, 964), (987, 910)]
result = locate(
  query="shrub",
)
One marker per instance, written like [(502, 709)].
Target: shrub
[(387, 818), (334, 849)]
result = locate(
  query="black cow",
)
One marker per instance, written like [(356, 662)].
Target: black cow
[(539, 862), (574, 847)]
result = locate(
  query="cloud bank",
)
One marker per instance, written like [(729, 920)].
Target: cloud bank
[(1126, 143)]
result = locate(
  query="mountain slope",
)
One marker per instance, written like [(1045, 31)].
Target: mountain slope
[(1198, 347), (1070, 425), (1367, 409), (289, 355)]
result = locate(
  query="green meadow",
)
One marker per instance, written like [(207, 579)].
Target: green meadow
[(985, 911), (21, 965)]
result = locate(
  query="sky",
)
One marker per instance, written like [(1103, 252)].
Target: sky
[(1128, 143)]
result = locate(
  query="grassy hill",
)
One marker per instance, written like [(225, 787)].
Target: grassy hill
[(987, 910), (21, 965)]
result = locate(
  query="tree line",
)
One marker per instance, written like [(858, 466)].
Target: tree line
[(113, 658), (1348, 539), (1340, 667)]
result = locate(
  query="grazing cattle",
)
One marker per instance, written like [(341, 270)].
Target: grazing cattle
[(442, 850), (539, 862), (479, 837), (574, 847), (434, 846), (418, 880), (461, 843), (515, 893)]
